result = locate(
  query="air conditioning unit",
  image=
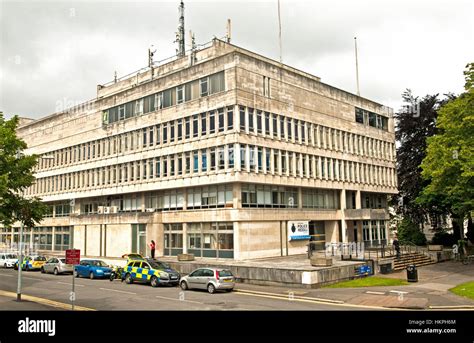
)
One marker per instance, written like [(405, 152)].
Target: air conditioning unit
[(100, 209), (150, 210), (113, 209), (106, 210)]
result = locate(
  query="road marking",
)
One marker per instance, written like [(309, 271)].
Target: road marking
[(175, 299), (45, 301), (399, 292), (116, 290), (293, 297), (70, 284), (307, 299), (373, 292), (7, 275)]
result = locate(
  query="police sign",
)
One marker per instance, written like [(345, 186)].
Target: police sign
[(298, 230)]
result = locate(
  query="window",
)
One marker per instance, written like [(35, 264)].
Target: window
[(187, 128), (204, 160), (230, 118), (180, 164), (195, 162), (230, 150), (250, 118), (359, 115), (275, 126), (213, 159), (204, 86), (212, 122), (180, 129), (171, 131), (165, 133), (220, 112), (203, 124), (180, 94), (289, 129), (188, 162), (168, 98), (217, 83), (144, 138), (242, 118), (282, 127), (259, 122), (195, 125), (243, 164), (220, 156)]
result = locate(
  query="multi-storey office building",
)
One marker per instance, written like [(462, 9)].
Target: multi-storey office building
[(216, 154)]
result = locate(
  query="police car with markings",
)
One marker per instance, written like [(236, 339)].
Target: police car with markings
[(149, 271), (31, 262)]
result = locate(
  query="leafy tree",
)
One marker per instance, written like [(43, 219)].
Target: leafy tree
[(448, 168), (409, 232), (413, 127), (16, 174)]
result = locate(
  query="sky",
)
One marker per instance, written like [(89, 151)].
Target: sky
[(53, 54)]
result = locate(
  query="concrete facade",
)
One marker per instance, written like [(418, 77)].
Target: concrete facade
[(213, 154)]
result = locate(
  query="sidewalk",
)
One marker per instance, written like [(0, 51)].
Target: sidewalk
[(432, 290), (10, 304)]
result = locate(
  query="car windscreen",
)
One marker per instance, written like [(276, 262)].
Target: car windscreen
[(224, 273), (11, 256), (63, 260), (159, 265), (39, 258), (99, 263)]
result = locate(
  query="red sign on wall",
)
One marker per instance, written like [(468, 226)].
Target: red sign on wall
[(73, 256)]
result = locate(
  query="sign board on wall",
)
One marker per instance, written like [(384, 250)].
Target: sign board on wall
[(298, 230)]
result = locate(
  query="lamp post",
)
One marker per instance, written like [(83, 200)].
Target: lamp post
[(20, 242)]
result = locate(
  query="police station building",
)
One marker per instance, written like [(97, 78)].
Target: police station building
[(222, 153)]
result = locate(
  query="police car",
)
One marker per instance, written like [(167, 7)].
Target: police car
[(149, 271), (32, 262)]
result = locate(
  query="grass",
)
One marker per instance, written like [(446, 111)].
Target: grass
[(370, 281), (464, 290)]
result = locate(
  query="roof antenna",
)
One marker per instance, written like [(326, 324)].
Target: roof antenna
[(193, 47), (279, 31), (150, 56), (357, 67), (228, 36), (115, 76), (180, 52)]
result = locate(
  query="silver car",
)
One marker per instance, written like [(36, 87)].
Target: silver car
[(56, 266), (211, 279)]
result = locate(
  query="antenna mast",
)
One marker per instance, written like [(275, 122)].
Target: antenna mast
[(180, 34), (279, 30), (357, 67)]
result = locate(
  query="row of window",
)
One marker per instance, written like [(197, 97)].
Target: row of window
[(176, 95), (370, 118), (198, 125), (291, 129), (252, 159)]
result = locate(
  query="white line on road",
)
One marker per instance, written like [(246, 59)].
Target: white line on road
[(175, 299), (373, 292), (116, 290), (6, 275), (70, 284)]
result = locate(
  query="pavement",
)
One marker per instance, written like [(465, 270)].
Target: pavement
[(430, 293)]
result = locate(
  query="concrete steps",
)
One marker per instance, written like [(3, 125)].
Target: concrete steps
[(417, 259)]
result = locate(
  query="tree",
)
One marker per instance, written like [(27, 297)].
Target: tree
[(16, 174), (448, 168), (413, 127), (409, 232)]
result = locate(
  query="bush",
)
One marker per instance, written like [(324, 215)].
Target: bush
[(409, 232), (444, 238)]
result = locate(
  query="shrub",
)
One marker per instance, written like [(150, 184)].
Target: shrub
[(444, 238), (409, 232)]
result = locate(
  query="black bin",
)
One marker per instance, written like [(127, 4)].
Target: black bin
[(386, 268), (412, 273)]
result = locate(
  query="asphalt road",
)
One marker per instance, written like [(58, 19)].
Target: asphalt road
[(105, 295)]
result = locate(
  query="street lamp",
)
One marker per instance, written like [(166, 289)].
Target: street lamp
[(20, 241)]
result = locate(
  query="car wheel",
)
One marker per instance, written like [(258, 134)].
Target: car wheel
[(154, 281), (5, 265), (56, 272), (184, 285), (91, 275), (229, 290), (211, 289), (27, 268), (42, 270), (128, 279), (76, 274)]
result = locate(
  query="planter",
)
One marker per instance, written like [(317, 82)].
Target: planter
[(434, 247), (320, 261), (185, 257)]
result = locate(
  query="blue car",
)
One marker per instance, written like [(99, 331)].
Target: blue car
[(92, 269)]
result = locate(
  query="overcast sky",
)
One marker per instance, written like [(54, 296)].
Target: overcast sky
[(54, 53)]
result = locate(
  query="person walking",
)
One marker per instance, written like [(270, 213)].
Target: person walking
[(396, 244), (152, 248)]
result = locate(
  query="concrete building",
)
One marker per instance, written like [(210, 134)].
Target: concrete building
[(222, 153)]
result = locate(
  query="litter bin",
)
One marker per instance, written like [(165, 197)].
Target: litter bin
[(385, 268), (412, 273)]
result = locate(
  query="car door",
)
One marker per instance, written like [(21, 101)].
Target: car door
[(193, 278), (207, 276), (47, 265), (83, 268)]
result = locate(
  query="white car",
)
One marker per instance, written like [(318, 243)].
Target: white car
[(7, 260)]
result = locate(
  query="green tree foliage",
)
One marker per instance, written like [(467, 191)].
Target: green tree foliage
[(448, 168), (413, 126), (409, 232), (16, 174)]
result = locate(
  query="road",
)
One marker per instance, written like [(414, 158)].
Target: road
[(105, 295)]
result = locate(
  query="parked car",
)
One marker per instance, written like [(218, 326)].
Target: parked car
[(149, 271), (133, 256), (212, 279), (57, 266), (8, 260), (92, 269), (31, 262), (173, 274)]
